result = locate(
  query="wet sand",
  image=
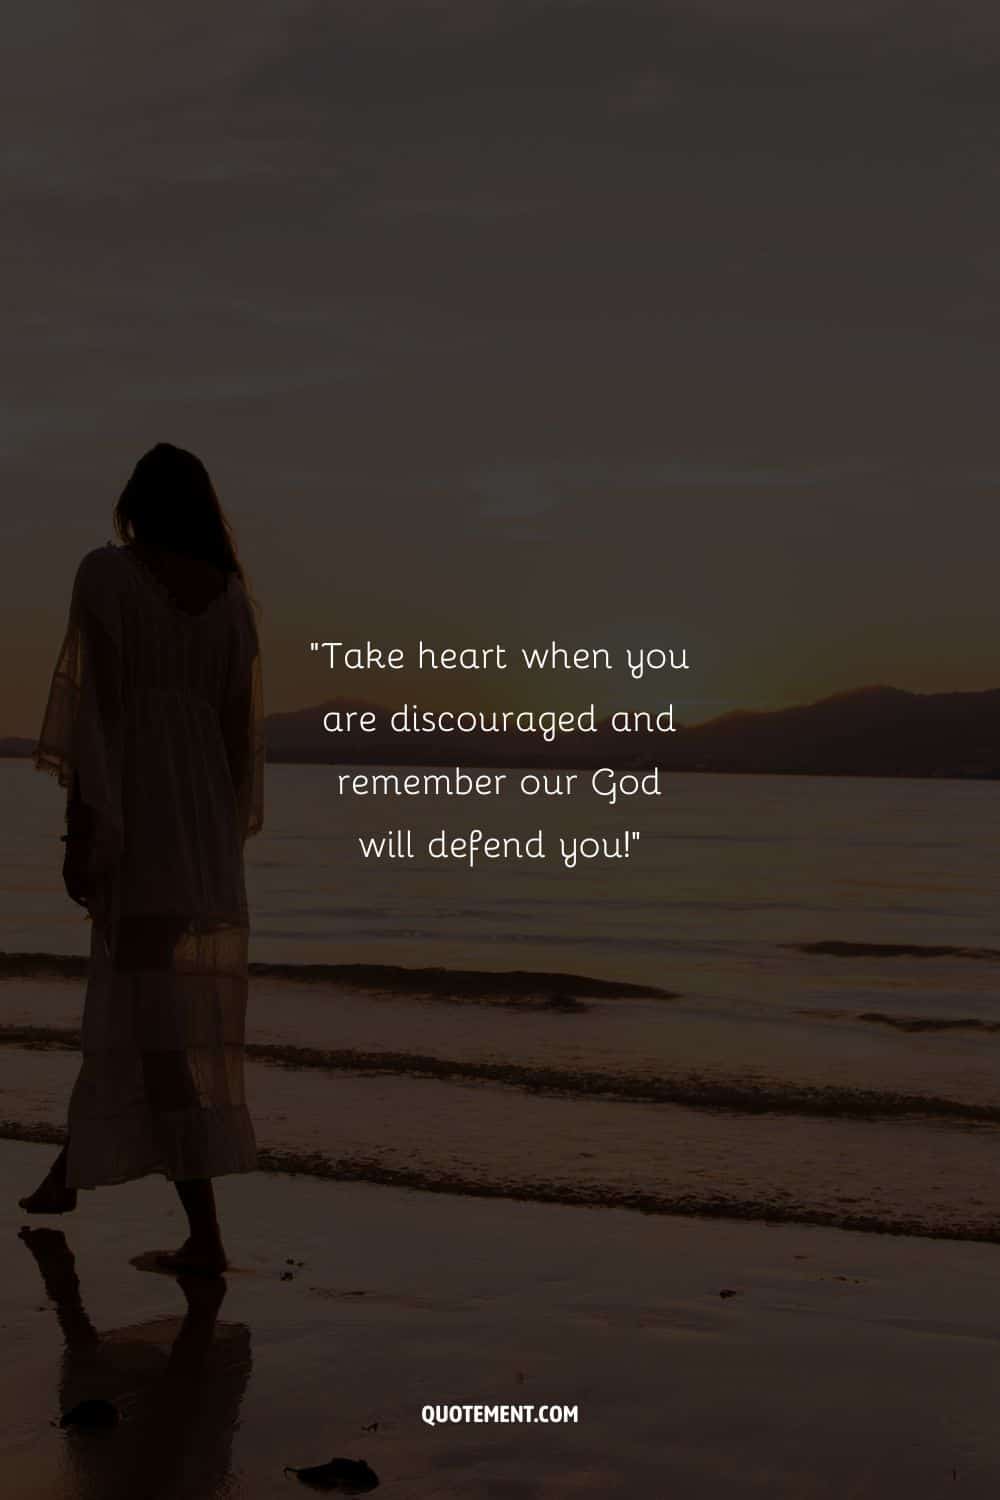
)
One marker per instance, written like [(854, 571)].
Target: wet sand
[(841, 1365)]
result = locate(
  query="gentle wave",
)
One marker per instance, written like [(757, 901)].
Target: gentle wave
[(687, 1205), (693, 1091), (838, 948), (905, 1023), (452, 984)]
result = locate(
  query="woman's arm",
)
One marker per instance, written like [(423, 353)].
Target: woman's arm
[(80, 736), (79, 840), (241, 716)]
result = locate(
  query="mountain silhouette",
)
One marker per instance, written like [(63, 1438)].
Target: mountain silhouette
[(869, 731)]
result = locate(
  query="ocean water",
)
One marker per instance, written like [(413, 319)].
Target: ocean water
[(783, 1004)]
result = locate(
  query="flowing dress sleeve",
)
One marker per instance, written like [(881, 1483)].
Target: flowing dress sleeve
[(80, 738), (242, 715)]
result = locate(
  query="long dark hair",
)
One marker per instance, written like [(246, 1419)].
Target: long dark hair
[(170, 502)]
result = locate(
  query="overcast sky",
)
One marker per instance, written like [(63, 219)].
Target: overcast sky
[(614, 321)]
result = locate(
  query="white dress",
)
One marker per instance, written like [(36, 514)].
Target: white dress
[(155, 713)]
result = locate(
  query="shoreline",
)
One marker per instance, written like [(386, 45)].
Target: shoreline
[(730, 1095), (318, 1166)]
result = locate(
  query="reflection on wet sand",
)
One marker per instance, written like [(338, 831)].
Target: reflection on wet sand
[(177, 1384)]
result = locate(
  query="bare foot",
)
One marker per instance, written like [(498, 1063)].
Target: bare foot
[(195, 1258), (50, 1198)]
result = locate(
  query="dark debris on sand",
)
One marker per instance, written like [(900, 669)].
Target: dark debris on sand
[(351, 1476), (92, 1415)]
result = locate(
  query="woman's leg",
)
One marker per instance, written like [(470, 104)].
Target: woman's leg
[(203, 1252), (52, 1196)]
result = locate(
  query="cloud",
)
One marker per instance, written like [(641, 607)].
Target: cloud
[(582, 295)]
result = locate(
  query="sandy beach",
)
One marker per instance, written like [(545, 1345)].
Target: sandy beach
[(468, 1159), (839, 1364)]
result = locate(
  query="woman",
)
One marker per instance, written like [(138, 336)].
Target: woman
[(153, 726)]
